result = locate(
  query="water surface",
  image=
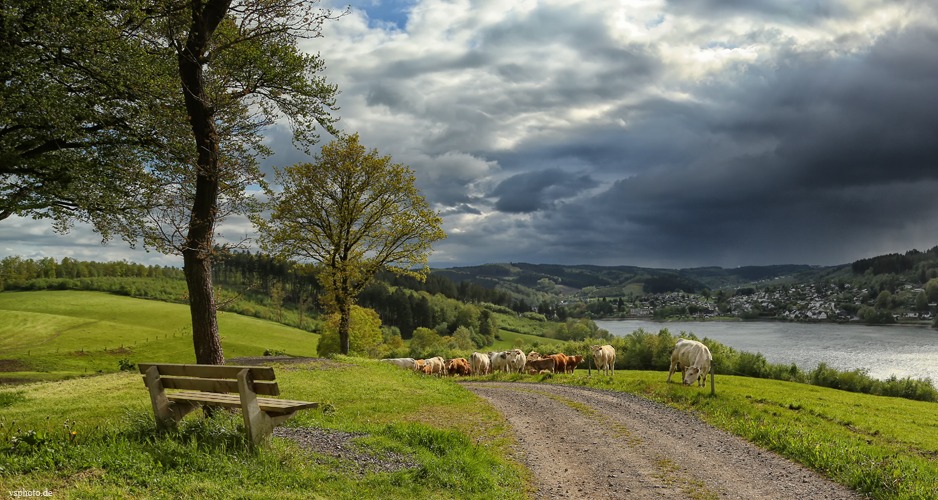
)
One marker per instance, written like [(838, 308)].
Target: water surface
[(904, 351)]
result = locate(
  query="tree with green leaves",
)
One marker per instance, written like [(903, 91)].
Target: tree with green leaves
[(85, 108), (353, 213), (163, 104)]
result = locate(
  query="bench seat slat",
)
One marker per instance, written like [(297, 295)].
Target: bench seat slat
[(209, 371), (217, 385), (234, 401)]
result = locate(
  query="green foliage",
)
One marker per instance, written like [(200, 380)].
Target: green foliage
[(353, 213), (534, 316), (275, 352), (126, 365), (364, 333)]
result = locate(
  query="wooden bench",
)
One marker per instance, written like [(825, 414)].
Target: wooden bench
[(213, 385)]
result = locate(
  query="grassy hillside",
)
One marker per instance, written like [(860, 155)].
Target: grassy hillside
[(457, 445), (57, 334)]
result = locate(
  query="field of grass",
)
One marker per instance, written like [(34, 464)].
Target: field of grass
[(60, 334), (886, 447), (459, 446), (508, 340)]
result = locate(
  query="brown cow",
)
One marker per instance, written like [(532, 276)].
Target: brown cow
[(560, 360), (572, 363), (535, 366), (458, 366)]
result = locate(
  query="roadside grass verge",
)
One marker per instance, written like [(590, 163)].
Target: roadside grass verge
[(885, 447), (61, 334), (459, 446)]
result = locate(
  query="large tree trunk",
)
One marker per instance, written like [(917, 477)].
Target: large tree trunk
[(197, 260)]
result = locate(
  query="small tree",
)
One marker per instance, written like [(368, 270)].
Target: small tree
[(353, 213), (364, 332)]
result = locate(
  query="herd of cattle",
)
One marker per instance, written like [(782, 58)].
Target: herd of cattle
[(692, 357)]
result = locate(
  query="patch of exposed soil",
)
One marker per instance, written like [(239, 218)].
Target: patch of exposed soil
[(337, 445), (592, 444), (12, 365)]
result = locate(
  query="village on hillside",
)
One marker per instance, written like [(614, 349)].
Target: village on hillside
[(802, 302)]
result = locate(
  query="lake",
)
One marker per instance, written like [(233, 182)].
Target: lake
[(904, 351)]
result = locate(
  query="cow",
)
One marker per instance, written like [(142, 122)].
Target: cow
[(499, 361), (479, 364), (437, 365), (694, 359), (516, 360), (605, 357), (572, 363), (538, 365), (560, 362), (457, 366), (534, 355), (406, 363), (418, 364)]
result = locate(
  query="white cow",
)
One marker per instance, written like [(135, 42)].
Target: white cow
[(605, 357), (694, 359), (408, 363), (499, 361), (479, 364), (437, 366), (516, 361)]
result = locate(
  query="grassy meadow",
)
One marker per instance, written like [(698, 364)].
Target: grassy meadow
[(59, 334), (93, 436)]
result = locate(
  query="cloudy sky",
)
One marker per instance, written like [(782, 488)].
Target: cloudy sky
[(636, 132)]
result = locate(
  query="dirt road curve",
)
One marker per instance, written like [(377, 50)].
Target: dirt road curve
[(589, 443)]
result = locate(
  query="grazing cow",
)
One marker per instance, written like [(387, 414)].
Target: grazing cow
[(538, 365), (407, 363), (499, 361), (458, 366), (560, 362), (437, 365), (516, 360), (572, 363), (479, 364), (605, 357), (694, 359), (534, 355), (419, 364)]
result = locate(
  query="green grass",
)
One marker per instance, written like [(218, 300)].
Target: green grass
[(59, 334), (460, 445), (508, 340), (885, 447)]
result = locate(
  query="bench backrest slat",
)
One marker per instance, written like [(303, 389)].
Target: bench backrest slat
[(209, 371), (217, 385)]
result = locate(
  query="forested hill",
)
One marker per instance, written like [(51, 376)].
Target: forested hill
[(618, 281)]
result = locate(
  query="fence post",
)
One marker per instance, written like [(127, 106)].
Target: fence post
[(712, 383)]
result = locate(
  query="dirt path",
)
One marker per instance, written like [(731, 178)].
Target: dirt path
[(593, 444)]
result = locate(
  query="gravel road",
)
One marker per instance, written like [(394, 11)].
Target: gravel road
[(588, 443)]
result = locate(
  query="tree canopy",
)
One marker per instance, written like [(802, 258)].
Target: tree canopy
[(353, 213), (146, 117)]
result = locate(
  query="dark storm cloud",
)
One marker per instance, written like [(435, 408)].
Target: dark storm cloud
[(849, 172), (532, 191)]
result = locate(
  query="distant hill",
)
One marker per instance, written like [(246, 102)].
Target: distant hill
[(618, 281)]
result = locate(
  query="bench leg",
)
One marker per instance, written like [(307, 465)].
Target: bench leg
[(166, 413), (258, 424)]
